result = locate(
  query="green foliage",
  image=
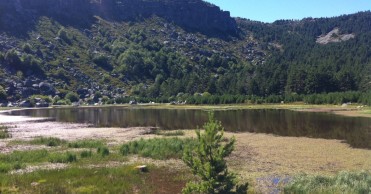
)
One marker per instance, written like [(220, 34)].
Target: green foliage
[(27, 48), (123, 179), (63, 34), (72, 97), (33, 156), (162, 149), (3, 94), (45, 98), (4, 133), (169, 133), (48, 141), (343, 182), (86, 144), (103, 62), (62, 158), (103, 151), (206, 160), (86, 154), (4, 168)]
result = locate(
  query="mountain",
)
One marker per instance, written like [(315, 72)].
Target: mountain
[(168, 48)]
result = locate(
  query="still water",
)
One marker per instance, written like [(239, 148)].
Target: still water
[(353, 130)]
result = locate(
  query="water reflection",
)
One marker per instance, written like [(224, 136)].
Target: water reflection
[(355, 131)]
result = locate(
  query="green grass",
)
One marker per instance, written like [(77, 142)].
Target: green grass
[(48, 141), (86, 144), (103, 151), (4, 133), (169, 133), (343, 182), (67, 157), (164, 148), (76, 180)]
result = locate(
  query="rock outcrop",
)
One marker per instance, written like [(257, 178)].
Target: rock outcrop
[(334, 36), (193, 15)]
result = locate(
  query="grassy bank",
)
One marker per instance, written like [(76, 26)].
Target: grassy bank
[(343, 182), (125, 179)]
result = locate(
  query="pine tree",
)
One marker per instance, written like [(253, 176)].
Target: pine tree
[(207, 161)]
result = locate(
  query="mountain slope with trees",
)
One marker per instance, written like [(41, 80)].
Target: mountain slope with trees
[(158, 54)]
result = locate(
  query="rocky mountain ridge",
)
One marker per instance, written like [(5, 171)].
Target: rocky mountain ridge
[(193, 15)]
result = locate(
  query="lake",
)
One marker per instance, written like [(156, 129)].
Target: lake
[(355, 131)]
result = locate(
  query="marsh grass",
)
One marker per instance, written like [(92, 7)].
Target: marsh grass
[(76, 180), (343, 182), (103, 151), (158, 148), (86, 144), (48, 141), (67, 157), (170, 133), (4, 133), (86, 154)]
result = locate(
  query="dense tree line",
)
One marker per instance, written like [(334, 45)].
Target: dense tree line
[(303, 66)]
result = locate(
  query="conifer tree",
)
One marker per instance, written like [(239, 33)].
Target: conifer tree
[(207, 161)]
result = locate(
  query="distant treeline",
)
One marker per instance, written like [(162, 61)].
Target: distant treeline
[(329, 98)]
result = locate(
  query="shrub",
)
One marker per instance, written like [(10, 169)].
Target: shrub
[(103, 62), (72, 97)]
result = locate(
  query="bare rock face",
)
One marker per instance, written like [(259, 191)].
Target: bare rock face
[(193, 15), (334, 36)]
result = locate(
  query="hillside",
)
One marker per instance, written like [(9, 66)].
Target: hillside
[(160, 48)]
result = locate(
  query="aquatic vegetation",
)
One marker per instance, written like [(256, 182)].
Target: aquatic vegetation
[(158, 148)]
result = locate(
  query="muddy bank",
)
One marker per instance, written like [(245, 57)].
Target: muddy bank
[(27, 128)]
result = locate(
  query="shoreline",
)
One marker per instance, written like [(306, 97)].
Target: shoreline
[(350, 111)]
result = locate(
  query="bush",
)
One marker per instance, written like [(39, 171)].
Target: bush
[(343, 182), (103, 62), (72, 97), (164, 148)]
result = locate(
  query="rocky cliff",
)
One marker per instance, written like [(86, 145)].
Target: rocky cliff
[(193, 15)]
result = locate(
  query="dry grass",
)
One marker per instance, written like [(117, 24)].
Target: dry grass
[(262, 155)]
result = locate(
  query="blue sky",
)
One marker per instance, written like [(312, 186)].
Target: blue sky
[(271, 10)]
